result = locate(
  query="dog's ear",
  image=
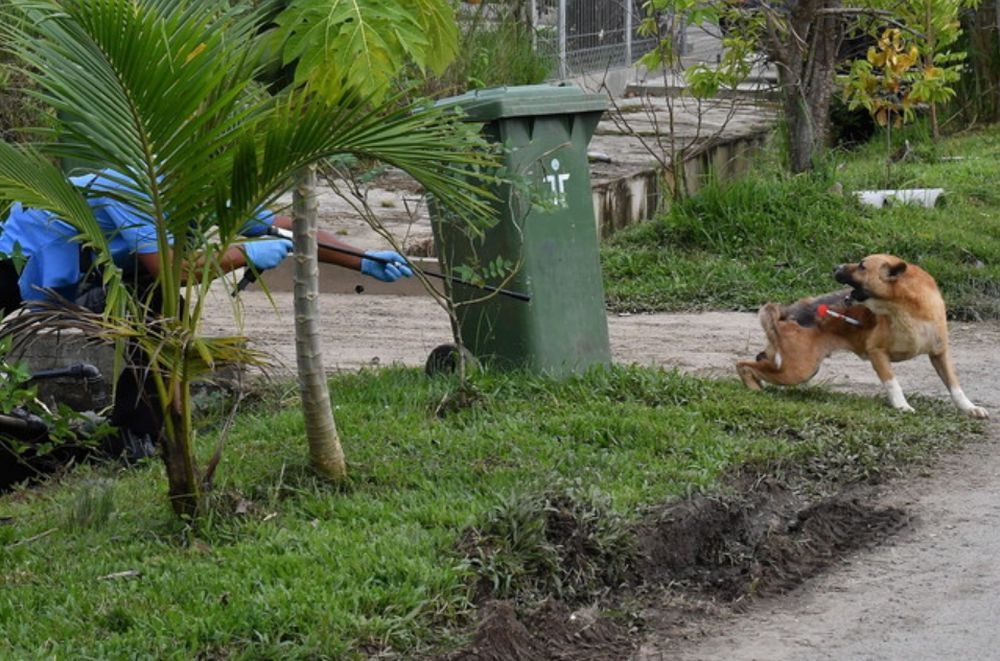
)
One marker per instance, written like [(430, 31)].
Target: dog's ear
[(893, 271)]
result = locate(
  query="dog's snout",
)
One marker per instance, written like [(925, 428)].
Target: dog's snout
[(842, 274)]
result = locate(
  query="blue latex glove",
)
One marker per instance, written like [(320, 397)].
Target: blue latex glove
[(385, 265), (265, 254)]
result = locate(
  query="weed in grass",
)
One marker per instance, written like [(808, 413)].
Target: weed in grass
[(92, 506), (565, 541)]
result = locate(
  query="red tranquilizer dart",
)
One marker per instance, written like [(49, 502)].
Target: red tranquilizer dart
[(825, 311)]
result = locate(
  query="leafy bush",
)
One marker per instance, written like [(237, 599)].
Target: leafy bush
[(496, 49)]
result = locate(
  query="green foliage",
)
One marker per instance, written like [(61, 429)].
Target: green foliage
[(566, 541), (18, 399), (14, 374), (890, 85), (346, 48), (910, 65), (496, 48), (664, 20), (18, 110)]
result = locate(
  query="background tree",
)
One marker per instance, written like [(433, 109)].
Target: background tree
[(979, 91), (802, 38), (806, 39), (165, 91), (699, 83)]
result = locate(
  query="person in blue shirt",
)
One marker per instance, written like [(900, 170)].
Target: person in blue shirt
[(54, 266)]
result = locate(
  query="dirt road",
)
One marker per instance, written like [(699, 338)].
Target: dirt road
[(931, 594), (363, 330)]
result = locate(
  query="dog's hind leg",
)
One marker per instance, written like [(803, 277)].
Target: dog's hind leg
[(773, 365), (767, 365), (749, 371), (769, 316), (946, 370)]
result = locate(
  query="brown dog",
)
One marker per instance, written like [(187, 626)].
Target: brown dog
[(896, 313)]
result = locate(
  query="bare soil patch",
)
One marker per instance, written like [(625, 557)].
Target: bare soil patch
[(698, 560)]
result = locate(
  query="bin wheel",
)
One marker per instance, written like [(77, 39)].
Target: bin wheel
[(444, 360)]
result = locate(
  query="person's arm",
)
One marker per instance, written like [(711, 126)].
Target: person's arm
[(262, 254), (384, 265)]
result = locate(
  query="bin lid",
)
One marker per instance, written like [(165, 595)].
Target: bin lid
[(526, 100)]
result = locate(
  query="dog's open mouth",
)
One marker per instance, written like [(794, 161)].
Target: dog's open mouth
[(857, 295)]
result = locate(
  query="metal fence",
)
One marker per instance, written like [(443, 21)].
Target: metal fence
[(584, 36)]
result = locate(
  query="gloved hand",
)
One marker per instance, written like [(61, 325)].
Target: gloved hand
[(385, 265), (265, 254)]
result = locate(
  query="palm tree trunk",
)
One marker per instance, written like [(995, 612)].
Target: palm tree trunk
[(186, 490), (325, 451)]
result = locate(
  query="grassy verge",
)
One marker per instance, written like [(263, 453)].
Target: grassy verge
[(438, 512), (777, 238), (286, 567)]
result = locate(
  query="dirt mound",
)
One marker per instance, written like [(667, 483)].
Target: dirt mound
[(762, 538), (553, 631)]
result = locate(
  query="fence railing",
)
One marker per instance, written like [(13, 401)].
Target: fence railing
[(584, 36)]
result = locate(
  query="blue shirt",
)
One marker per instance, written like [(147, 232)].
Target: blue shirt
[(53, 255)]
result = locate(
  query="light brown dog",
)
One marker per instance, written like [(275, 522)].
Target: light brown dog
[(893, 311)]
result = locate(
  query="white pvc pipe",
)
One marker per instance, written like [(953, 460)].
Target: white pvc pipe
[(926, 197)]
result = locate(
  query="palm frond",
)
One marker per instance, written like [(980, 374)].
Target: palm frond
[(154, 89), (446, 154), (168, 343), (30, 178)]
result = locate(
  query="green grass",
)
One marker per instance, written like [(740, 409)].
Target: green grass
[(777, 238), (286, 566), (435, 510)]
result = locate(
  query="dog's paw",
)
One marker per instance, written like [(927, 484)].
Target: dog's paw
[(977, 412), (748, 377)]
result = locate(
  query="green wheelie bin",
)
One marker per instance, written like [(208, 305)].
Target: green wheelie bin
[(545, 235)]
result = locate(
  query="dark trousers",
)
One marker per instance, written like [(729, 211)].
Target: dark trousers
[(10, 292), (136, 405)]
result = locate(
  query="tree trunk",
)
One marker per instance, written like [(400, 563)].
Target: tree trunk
[(805, 52), (325, 451), (980, 85), (186, 490)]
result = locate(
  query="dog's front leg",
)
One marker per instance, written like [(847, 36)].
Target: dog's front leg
[(883, 367), (946, 370)]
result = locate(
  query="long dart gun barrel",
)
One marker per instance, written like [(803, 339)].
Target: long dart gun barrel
[(250, 275)]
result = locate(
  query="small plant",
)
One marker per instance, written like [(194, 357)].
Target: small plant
[(497, 46), (666, 22), (92, 506), (565, 541), (909, 68), (34, 439)]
